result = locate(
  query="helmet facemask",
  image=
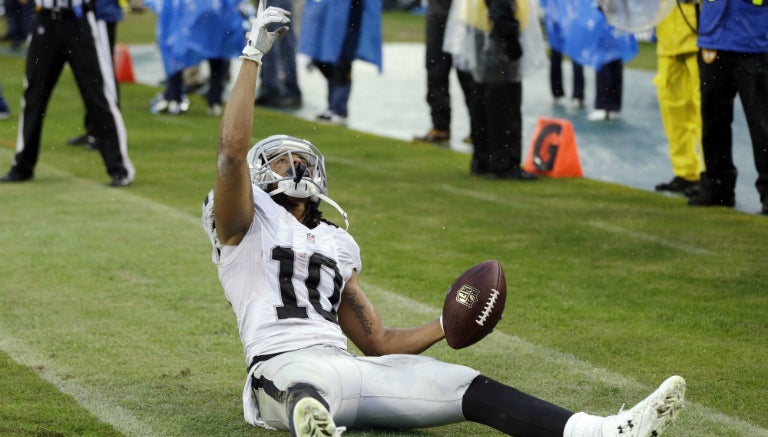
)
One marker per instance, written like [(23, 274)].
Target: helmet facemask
[(304, 180)]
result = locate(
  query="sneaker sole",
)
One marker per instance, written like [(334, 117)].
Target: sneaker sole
[(671, 403), (311, 419)]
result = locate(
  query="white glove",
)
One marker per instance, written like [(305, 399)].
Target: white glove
[(260, 40)]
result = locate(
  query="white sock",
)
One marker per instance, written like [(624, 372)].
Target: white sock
[(583, 425)]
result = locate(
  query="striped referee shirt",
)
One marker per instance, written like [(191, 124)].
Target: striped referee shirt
[(62, 4)]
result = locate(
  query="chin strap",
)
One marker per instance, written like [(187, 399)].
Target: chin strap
[(324, 198), (330, 201)]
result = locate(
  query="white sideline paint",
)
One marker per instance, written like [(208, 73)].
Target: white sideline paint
[(91, 399), (597, 224), (388, 302), (650, 238)]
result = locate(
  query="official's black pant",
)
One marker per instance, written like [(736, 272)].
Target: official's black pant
[(728, 74), (61, 38), (439, 65)]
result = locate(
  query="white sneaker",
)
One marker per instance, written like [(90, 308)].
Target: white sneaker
[(214, 110), (602, 114), (652, 416), (311, 419), (173, 107), (330, 117)]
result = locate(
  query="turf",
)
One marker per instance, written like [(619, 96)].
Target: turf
[(112, 321)]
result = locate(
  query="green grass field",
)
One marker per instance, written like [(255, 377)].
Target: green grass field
[(112, 320)]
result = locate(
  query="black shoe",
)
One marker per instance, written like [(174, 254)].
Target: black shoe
[(764, 211), (16, 176), (676, 185), (692, 190), (81, 140), (289, 102), (89, 141), (515, 173), (708, 198), (120, 181), (434, 136), (265, 100)]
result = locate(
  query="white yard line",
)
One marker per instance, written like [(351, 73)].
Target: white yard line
[(637, 235), (98, 403)]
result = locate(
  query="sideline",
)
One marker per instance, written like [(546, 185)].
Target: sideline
[(630, 151)]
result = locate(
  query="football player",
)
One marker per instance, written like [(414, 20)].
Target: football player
[(291, 278)]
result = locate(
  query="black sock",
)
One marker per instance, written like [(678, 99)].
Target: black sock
[(511, 411)]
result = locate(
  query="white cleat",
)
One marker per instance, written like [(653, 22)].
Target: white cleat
[(652, 416), (311, 419)]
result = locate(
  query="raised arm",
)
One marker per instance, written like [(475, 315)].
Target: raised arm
[(363, 325), (233, 196)]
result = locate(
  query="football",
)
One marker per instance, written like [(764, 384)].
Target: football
[(474, 304)]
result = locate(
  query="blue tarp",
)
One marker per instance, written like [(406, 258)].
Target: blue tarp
[(191, 31), (580, 30), (324, 26)]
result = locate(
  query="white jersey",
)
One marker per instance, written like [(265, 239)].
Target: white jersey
[(284, 280)]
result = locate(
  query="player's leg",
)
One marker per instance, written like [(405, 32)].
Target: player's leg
[(511, 411), (308, 413), (516, 413)]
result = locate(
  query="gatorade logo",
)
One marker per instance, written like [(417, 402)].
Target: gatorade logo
[(553, 152), (545, 147)]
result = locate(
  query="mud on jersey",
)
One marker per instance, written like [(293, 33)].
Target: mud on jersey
[(284, 280)]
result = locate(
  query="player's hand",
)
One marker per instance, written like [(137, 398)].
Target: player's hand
[(260, 40)]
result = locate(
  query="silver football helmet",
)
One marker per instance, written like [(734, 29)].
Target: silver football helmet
[(306, 180)]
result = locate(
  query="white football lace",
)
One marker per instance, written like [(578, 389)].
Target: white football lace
[(488, 308)]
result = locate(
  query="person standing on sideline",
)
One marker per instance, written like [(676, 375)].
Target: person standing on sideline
[(108, 15), (333, 35), (279, 86), (609, 88), (188, 33), (609, 76), (677, 81), (439, 65), (552, 10), (291, 278), (65, 32), (556, 80), (495, 110), (19, 15), (733, 59)]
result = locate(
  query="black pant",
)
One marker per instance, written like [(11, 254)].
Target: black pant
[(496, 119), (111, 27), (67, 39), (439, 65), (556, 77), (731, 73), (608, 90)]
